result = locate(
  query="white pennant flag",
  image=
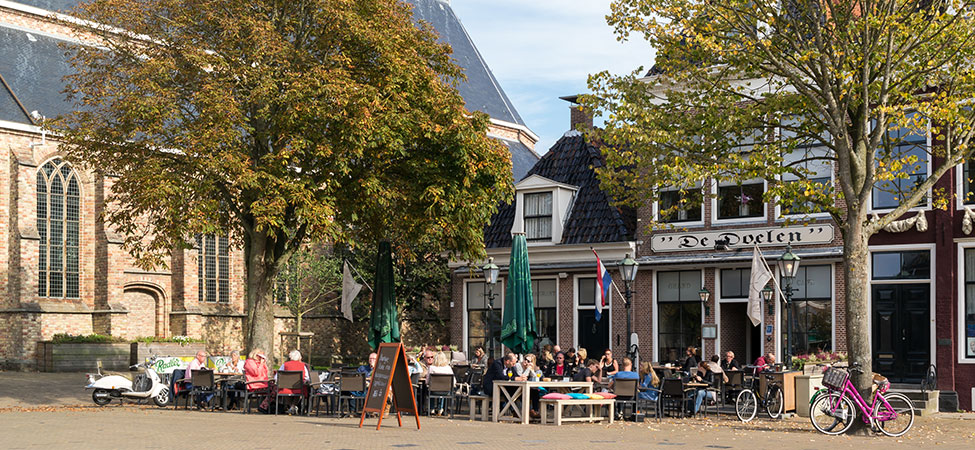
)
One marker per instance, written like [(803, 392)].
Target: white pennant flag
[(760, 277), (350, 289)]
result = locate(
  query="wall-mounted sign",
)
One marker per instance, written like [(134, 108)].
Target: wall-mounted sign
[(747, 238)]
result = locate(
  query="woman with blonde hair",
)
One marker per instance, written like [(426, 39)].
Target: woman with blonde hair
[(581, 357), (441, 365), (649, 381)]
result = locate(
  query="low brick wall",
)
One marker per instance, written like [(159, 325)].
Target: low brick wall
[(139, 351), (53, 357)]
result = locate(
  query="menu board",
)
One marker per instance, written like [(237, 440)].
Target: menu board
[(391, 376)]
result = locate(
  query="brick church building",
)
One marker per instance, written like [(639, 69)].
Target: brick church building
[(62, 270)]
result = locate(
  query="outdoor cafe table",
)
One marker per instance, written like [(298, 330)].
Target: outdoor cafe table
[(518, 400)]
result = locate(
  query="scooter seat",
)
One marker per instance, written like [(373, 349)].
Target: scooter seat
[(126, 375)]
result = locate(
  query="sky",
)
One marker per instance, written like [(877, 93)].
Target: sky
[(540, 50)]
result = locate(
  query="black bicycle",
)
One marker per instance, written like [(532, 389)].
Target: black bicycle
[(773, 400)]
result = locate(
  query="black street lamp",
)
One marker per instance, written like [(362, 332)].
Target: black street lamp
[(490, 271), (788, 268), (628, 268), (767, 294), (705, 294)]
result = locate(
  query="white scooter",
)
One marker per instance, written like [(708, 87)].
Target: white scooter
[(144, 386)]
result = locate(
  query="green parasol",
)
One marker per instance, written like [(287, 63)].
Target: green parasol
[(384, 324), (518, 331)]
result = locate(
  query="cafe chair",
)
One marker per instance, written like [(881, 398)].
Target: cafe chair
[(203, 385), (674, 394), (328, 389), (291, 383), (254, 394), (627, 393), (441, 388), (352, 391)]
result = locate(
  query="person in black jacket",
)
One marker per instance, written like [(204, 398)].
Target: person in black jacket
[(729, 362), (690, 364), (501, 369)]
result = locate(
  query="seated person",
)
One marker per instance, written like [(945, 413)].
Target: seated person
[(255, 375), (198, 363), (608, 365), (368, 368), (560, 368), (649, 381), (764, 363), (690, 363), (233, 364), (626, 373), (729, 362), (589, 373), (526, 371), (702, 375), (480, 358), (294, 364), (441, 365), (501, 370)]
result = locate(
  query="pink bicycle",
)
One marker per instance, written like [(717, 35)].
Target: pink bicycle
[(833, 412)]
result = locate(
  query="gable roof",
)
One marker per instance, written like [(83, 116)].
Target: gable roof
[(593, 219), (33, 66), (481, 91)]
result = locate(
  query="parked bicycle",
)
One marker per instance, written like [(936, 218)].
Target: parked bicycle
[(834, 411), (773, 400)]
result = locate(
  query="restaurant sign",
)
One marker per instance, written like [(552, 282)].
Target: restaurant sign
[(763, 237)]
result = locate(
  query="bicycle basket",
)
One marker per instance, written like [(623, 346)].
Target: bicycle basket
[(835, 378)]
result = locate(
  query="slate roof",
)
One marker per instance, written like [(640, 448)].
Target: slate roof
[(481, 91), (593, 219), (33, 65), (522, 157)]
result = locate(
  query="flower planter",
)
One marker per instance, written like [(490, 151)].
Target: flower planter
[(53, 357), (141, 350)]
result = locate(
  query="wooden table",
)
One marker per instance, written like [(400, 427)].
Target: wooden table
[(518, 400)]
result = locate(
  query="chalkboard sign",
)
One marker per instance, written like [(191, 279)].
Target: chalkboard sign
[(391, 372)]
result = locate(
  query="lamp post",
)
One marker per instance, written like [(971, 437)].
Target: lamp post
[(490, 271), (788, 268), (628, 268)]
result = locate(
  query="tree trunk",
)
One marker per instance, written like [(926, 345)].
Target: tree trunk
[(856, 255), (260, 296)]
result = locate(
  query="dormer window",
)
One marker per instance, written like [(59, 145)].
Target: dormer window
[(538, 216)]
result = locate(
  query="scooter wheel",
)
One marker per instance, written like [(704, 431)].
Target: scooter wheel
[(101, 397), (162, 399)]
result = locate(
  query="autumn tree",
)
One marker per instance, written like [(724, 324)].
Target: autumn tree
[(278, 123), (743, 89)]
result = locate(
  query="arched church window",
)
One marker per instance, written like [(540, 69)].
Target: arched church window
[(58, 223)]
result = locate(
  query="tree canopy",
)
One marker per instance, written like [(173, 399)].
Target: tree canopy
[(278, 122), (877, 91)]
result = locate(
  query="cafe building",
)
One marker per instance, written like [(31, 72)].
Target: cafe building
[(692, 283)]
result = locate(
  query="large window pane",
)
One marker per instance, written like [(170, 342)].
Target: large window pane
[(735, 202), (812, 310), (58, 224), (901, 265), (545, 295), (482, 321), (679, 313), (902, 143), (676, 206), (968, 320), (734, 283), (538, 216)]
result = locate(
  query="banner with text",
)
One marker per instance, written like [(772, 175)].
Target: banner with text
[(763, 237)]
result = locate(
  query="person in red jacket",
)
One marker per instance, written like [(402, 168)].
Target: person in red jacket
[(294, 364)]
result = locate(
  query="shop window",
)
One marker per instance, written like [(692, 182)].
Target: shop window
[(538, 216), (213, 268), (735, 282), (58, 222), (679, 313), (483, 317), (545, 295), (812, 313)]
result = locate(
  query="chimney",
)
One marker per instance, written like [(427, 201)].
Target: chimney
[(576, 114)]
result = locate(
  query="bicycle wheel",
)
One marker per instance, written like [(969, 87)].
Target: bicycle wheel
[(897, 419), (775, 402), (826, 420), (746, 405)]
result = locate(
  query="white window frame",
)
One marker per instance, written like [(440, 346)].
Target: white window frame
[(465, 324), (558, 330), (931, 271), (928, 196), (738, 220), (608, 311), (551, 216), (960, 187), (779, 217), (962, 341), (683, 224), (655, 309)]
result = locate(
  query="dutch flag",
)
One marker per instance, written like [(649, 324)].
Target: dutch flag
[(603, 281)]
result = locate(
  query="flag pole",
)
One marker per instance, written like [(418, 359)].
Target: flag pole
[(361, 278)]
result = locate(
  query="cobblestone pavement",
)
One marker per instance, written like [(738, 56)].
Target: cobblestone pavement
[(150, 427), (53, 411)]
